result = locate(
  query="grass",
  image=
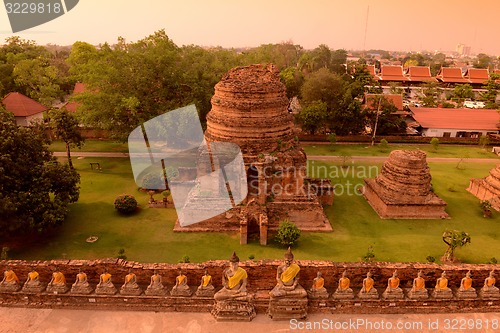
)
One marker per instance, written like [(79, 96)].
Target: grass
[(148, 237), (367, 150), (93, 146)]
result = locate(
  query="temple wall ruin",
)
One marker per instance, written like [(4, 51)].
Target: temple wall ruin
[(261, 279)]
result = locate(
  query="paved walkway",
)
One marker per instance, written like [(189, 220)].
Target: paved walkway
[(374, 159), (20, 320)]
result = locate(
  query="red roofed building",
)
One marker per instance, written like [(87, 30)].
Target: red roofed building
[(477, 75), (442, 122), (25, 109), (451, 75), (371, 69), (72, 106), (392, 73), (420, 74), (371, 100)]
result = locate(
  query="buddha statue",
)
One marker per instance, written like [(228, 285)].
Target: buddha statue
[(234, 282), (57, 284), (10, 281), (418, 290), (287, 277), (130, 286), (441, 289), (206, 287), (155, 287), (181, 287), (105, 286), (393, 291), (489, 290), (465, 290), (318, 289), (343, 290), (368, 291), (33, 283), (81, 285)]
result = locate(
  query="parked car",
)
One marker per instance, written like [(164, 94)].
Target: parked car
[(480, 105), (470, 104)]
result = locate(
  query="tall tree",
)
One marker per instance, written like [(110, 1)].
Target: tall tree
[(35, 189), (65, 128), (492, 87)]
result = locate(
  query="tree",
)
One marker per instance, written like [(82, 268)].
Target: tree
[(293, 79), (35, 189), (312, 116), (65, 128), (454, 239), (288, 233), (492, 88), (430, 94), (482, 61), (395, 88), (463, 91), (386, 122)]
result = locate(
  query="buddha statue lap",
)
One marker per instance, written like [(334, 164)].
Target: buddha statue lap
[(130, 286), (418, 290), (393, 291), (81, 285), (155, 287), (318, 289), (343, 290), (181, 287), (368, 291)]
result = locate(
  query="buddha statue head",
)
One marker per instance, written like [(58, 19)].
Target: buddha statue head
[(288, 257), (234, 261)]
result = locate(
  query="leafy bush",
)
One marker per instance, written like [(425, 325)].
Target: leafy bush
[(384, 145), (370, 254), (184, 259), (251, 257), (125, 204), (493, 261), (153, 181), (430, 259), (484, 141), (435, 143), (288, 233), (121, 254)]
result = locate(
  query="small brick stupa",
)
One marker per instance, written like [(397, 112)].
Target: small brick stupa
[(402, 190), (487, 188), (250, 109)]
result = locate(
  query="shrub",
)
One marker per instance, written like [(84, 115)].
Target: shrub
[(125, 204), (184, 259), (5, 255), (332, 137), (435, 143), (430, 259), (370, 255), (384, 144), (484, 140), (121, 254), (288, 233), (251, 257), (493, 261), (153, 181)]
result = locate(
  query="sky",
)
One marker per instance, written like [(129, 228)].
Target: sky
[(432, 25)]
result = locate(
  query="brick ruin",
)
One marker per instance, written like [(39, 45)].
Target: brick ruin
[(250, 109), (487, 188), (403, 188), (261, 279)]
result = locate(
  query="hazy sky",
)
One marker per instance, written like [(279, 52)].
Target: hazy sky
[(392, 24)]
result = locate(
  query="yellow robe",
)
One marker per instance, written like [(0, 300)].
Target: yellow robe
[(467, 283), (368, 284), (129, 277), (344, 283), (490, 281), (206, 280), (234, 280), (394, 283), (419, 283), (290, 273), (32, 276), (59, 278), (105, 277), (319, 283), (180, 278), (11, 277), (442, 284)]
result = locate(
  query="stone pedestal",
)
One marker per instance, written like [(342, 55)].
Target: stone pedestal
[(442, 294), (343, 294), (83, 289), (155, 291), (372, 294), (286, 308), (467, 293), (317, 293), (106, 289), (130, 289), (181, 291), (9, 287), (205, 292), (393, 293), (418, 294), (33, 288), (489, 293), (57, 288), (231, 310)]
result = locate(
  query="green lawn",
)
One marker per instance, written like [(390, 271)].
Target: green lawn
[(93, 146), (367, 150), (148, 237)]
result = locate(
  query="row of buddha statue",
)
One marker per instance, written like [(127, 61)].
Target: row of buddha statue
[(234, 282)]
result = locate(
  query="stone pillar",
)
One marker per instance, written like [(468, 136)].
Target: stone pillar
[(261, 198), (243, 230), (263, 229)]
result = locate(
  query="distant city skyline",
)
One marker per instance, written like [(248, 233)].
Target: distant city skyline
[(390, 24)]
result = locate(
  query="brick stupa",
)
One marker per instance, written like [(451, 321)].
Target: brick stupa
[(402, 190), (250, 109), (487, 188)]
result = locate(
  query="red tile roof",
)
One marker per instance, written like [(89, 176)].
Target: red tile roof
[(420, 74), (392, 73), (22, 106), (72, 106), (460, 119), (477, 75), (371, 69), (79, 88), (371, 100), (451, 75)]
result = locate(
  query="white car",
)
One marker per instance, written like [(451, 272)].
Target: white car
[(480, 105), (470, 104)]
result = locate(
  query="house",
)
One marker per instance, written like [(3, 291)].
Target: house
[(419, 74), (25, 110), (443, 122), (73, 106), (392, 74), (451, 75), (477, 76)]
